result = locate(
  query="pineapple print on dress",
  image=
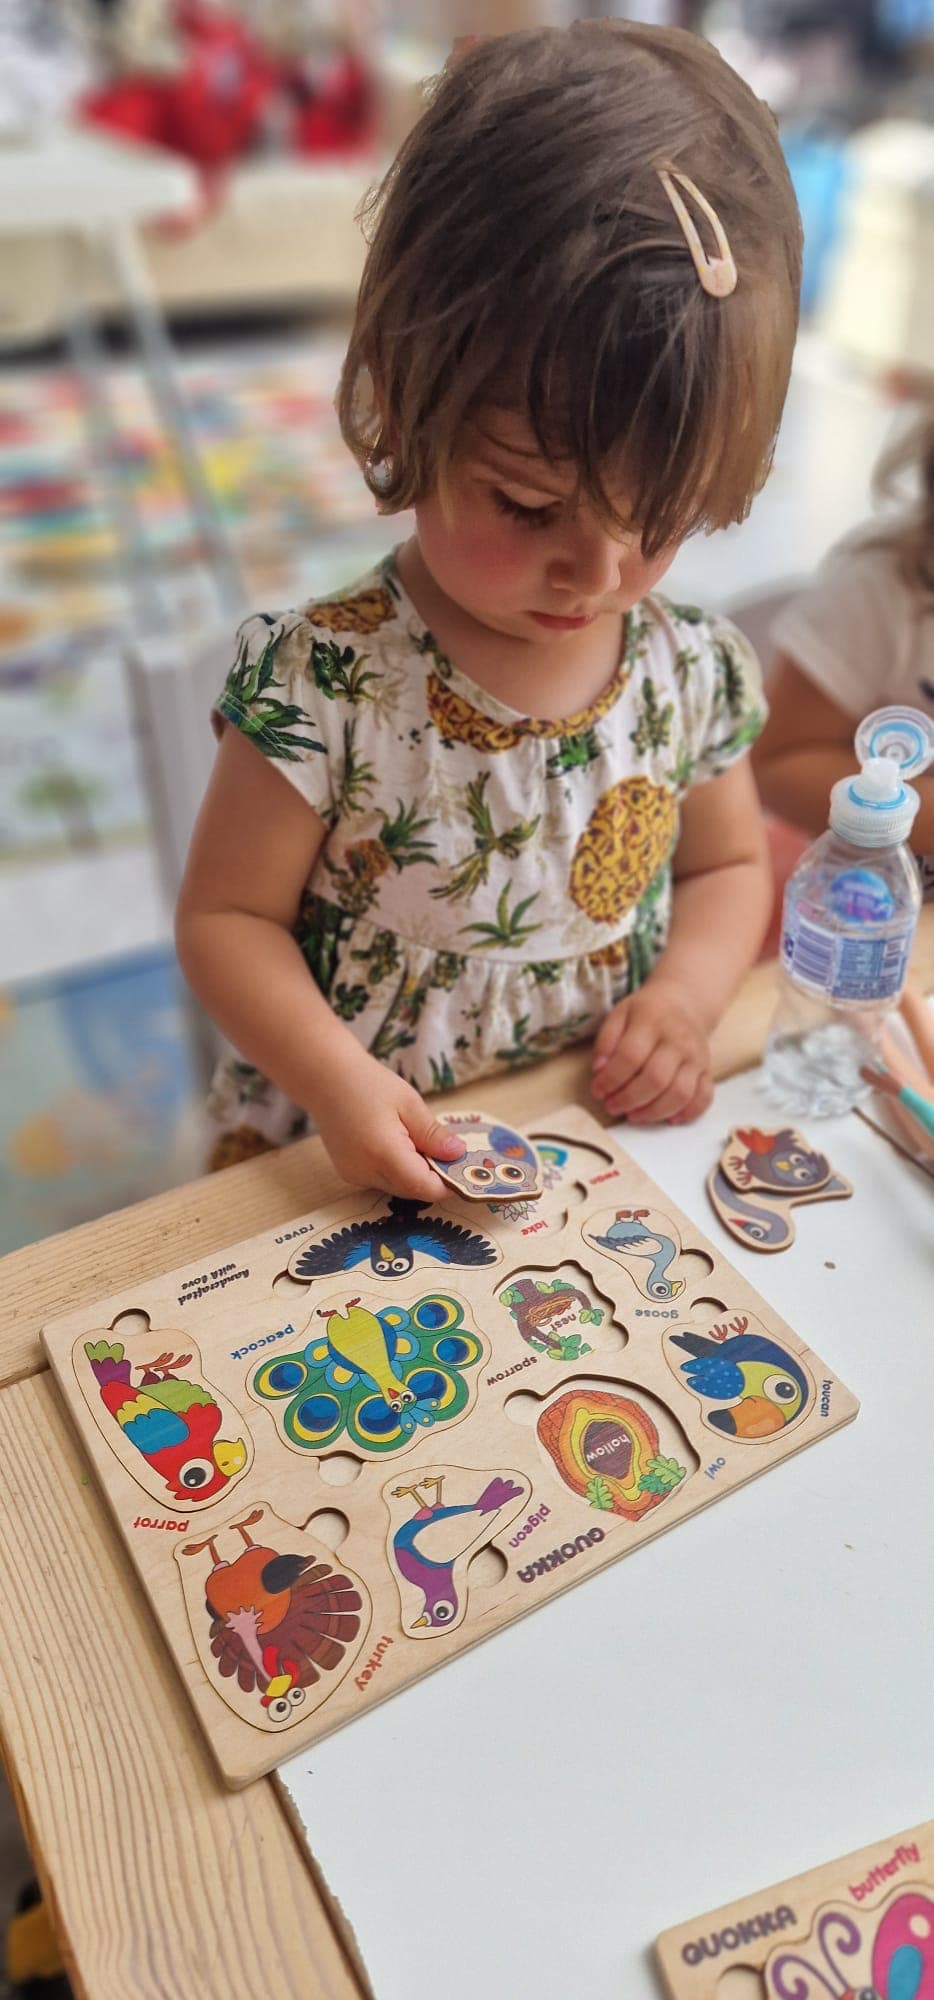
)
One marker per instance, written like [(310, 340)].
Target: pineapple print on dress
[(398, 844), (364, 613), (627, 840)]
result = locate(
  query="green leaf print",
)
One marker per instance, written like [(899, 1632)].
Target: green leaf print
[(358, 776), (442, 1075), (339, 670), (273, 725), (575, 753), (528, 1048), (508, 929), (321, 930), (662, 1475), (348, 1001), (469, 874), (653, 728), (730, 690), (599, 1495)]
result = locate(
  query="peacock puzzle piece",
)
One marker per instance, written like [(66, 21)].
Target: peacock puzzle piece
[(760, 1176), (432, 1539), (181, 1441), (861, 1928), (606, 1447), (748, 1385), (646, 1243), (373, 1374), (498, 1164), (275, 1624), (389, 1242)]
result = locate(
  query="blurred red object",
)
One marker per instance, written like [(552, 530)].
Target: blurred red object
[(212, 110), (334, 107)]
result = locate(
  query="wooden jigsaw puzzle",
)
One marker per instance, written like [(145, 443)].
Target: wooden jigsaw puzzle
[(342, 1452), (861, 1928)]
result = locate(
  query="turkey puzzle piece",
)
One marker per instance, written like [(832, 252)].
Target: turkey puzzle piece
[(277, 1622), (498, 1165), (437, 1523), (760, 1176), (645, 1242), (177, 1437)]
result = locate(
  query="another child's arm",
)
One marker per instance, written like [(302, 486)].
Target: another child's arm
[(806, 745), (251, 853), (652, 1055)]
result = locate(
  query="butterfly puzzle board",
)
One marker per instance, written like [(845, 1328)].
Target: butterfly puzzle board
[(861, 1928), (344, 1451)]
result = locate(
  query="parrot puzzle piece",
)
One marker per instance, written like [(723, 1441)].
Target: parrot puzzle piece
[(498, 1164), (438, 1523), (645, 1242), (276, 1623), (760, 1176), (181, 1441)]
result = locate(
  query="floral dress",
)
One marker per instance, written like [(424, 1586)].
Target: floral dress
[(490, 883)]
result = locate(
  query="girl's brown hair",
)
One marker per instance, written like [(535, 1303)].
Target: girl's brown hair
[(912, 534), (525, 254)]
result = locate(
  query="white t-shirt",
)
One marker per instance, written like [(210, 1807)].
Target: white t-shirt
[(863, 636)]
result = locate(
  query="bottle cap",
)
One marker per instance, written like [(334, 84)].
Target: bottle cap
[(876, 808)]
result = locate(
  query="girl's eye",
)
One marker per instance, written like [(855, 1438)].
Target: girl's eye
[(531, 517)]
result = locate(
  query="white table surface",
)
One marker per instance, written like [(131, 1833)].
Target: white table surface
[(735, 1702), (75, 179)]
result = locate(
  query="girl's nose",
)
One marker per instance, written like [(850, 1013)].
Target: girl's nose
[(587, 564)]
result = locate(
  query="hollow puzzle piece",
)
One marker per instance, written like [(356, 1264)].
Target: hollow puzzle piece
[(646, 1243), (277, 1620), (760, 1176), (387, 1242), (605, 1445), (845, 1931), (498, 1164), (438, 1521), (182, 1441), (373, 1374), (749, 1386)]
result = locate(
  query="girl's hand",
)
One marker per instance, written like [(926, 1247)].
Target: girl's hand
[(652, 1058), (378, 1131)]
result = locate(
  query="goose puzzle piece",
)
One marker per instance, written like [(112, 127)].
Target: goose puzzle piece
[(344, 1451), (760, 1176), (861, 1928)]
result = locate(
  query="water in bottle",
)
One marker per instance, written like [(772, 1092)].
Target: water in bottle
[(848, 923)]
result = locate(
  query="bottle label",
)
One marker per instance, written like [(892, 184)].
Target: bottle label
[(845, 968), (860, 896)]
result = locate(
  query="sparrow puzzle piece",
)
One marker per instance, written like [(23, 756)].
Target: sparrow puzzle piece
[(760, 1176), (498, 1164), (861, 1928), (462, 1422)]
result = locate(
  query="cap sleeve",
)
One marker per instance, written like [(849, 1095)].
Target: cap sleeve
[(847, 629), (724, 707), (272, 696)]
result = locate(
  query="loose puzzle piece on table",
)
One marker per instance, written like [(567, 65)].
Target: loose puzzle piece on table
[(861, 1928), (760, 1176), (350, 1448)]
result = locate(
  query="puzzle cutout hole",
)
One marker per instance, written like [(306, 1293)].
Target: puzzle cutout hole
[(329, 1526), (694, 1265), (487, 1568), (289, 1287), (340, 1469), (716, 1306), (523, 1407), (127, 1324), (740, 1982)]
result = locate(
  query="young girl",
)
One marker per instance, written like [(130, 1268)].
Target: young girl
[(493, 799), (860, 637)]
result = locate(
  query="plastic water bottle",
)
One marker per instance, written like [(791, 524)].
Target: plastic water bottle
[(848, 923)]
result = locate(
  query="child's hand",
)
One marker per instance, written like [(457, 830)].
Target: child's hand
[(651, 1057), (377, 1130)]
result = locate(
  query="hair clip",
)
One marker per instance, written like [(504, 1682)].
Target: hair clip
[(717, 274)]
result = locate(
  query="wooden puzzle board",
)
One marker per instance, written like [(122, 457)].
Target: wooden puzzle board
[(323, 1505), (862, 1926)]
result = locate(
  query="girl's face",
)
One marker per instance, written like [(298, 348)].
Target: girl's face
[(513, 550)]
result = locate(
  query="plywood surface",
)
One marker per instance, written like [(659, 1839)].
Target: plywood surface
[(487, 1405)]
